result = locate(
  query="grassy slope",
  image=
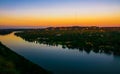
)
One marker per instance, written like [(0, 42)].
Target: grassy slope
[(12, 63)]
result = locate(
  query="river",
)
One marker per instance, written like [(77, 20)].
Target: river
[(63, 61)]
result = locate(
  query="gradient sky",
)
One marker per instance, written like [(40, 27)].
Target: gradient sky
[(59, 13)]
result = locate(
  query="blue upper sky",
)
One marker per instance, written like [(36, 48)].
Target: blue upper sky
[(60, 5), (13, 3)]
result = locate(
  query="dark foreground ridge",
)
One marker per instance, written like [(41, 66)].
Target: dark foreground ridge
[(12, 63)]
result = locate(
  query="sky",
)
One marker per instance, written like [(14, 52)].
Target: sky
[(44, 13)]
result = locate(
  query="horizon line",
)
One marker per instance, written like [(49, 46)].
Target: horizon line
[(41, 27)]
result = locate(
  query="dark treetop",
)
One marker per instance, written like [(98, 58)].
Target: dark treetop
[(99, 40)]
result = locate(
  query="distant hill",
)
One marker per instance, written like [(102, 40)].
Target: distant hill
[(79, 28)]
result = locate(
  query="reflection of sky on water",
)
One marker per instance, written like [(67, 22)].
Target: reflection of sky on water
[(59, 60)]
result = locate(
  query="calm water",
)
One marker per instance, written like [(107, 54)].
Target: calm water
[(63, 61)]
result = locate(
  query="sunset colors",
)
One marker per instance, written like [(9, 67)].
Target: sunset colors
[(59, 13)]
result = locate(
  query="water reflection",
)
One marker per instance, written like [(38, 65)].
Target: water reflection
[(108, 49), (63, 60)]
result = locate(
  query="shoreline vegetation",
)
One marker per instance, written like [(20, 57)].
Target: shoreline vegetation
[(8, 31), (96, 39), (12, 63)]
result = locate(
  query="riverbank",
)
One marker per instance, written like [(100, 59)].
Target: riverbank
[(12, 63), (96, 39)]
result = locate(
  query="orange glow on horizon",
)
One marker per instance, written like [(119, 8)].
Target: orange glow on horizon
[(60, 13), (61, 21)]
